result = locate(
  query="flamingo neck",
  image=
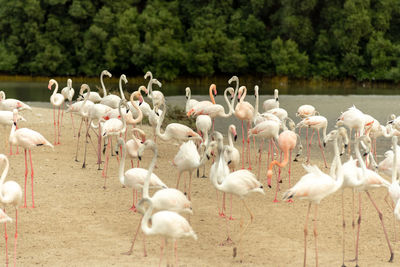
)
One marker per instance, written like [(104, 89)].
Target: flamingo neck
[(149, 172), (3, 177), (55, 89), (230, 140), (122, 118), (257, 100), (146, 219), (102, 85), (82, 109), (139, 111), (394, 166), (212, 95), (122, 162), (160, 121), (120, 89)]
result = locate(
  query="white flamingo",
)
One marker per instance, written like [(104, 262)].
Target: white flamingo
[(10, 104), (271, 103), (6, 119), (56, 100), (112, 100), (189, 101), (68, 93), (157, 97)]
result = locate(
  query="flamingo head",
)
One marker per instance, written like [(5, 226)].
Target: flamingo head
[(269, 176), (106, 118), (213, 87), (51, 82), (234, 78), (148, 74), (232, 128), (189, 113), (123, 78), (187, 92)]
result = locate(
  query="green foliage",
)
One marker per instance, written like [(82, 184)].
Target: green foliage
[(297, 38)]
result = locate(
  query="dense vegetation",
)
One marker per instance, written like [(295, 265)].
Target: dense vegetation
[(329, 39)]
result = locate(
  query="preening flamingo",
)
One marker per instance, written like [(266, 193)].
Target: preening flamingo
[(175, 131), (202, 104), (189, 101), (187, 160), (239, 183), (10, 194), (315, 186), (56, 100), (271, 103), (305, 111), (167, 199), (10, 104), (27, 139), (287, 141), (132, 145), (315, 122)]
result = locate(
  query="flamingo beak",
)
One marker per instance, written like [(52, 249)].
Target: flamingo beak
[(235, 137)]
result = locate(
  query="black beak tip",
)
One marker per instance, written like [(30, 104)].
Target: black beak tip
[(269, 186), (235, 138), (229, 162), (365, 154), (277, 99), (324, 144), (208, 157), (15, 124), (139, 157), (346, 145)]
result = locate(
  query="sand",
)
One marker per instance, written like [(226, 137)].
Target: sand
[(78, 223)]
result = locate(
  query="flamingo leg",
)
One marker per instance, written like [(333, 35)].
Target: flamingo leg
[(230, 217), (190, 187), (305, 234), (358, 227), (30, 159), (105, 169), (309, 147), (99, 139), (177, 181), (86, 141), (242, 146), (16, 236), (259, 158), (344, 228), (219, 212), (176, 253), (77, 143), (223, 209), (6, 239), (322, 150), (248, 145), (26, 177), (383, 226), (129, 252), (235, 249), (316, 235), (162, 250), (58, 124), (55, 131), (133, 208)]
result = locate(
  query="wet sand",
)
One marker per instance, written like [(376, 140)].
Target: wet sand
[(78, 223)]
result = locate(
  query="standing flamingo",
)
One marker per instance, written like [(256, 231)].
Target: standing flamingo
[(394, 188), (353, 118), (189, 101), (305, 111), (271, 103), (68, 93), (132, 145), (10, 194), (56, 100), (10, 104), (315, 186), (6, 119), (287, 141), (239, 183), (203, 125), (188, 159), (94, 96), (157, 97), (27, 139), (202, 104), (244, 111), (112, 100), (315, 122)]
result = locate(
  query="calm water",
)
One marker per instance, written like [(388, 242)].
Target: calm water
[(38, 91)]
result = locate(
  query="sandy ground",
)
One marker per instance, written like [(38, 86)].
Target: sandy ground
[(78, 223)]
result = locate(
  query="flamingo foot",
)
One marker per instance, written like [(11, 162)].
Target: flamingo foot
[(133, 208), (276, 201), (231, 218), (290, 201), (127, 253), (249, 168), (227, 242), (222, 214), (83, 165)]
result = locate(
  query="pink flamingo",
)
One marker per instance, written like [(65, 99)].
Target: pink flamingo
[(27, 139), (10, 104), (132, 145), (305, 111), (315, 122), (56, 100), (203, 126), (10, 194), (287, 141), (202, 104), (315, 186), (244, 111)]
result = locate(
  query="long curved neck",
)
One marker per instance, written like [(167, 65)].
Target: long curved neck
[(243, 95), (122, 162), (230, 108), (102, 84), (358, 155), (188, 96), (139, 111), (3, 177), (257, 100), (230, 140), (123, 119), (394, 168), (150, 87), (134, 138), (82, 109), (211, 95), (149, 172), (160, 121), (338, 165), (146, 219), (120, 88), (55, 89), (220, 161)]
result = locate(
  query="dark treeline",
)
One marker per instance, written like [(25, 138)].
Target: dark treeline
[(325, 39)]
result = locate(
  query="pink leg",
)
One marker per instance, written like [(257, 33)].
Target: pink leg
[(309, 147), (289, 172), (322, 150), (259, 158), (305, 234), (230, 217), (107, 159), (358, 227), (16, 153), (219, 212), (77, 143), (223, 209), (248, 145), (133, 208), (55, 126), (162, 250), (100, 139), (73, 125), (58, 126), (132, 163), (316, 235), (176, 253), (6, 239), (26, 177), (30, 159), (16, 237), (242, 146)]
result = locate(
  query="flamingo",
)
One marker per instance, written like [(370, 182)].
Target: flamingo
[(135, 178), (394, 188), (176, 131), (315, 186), (188, 159), (113, 100), (10, 104), (189, 101), (370, 180), (56, 100), (113, 127), (305, 111), (157, 97), (353, 118), (232, 154), (94, 96), (202, 104), (203, 125), (315, 122), (287, 141), (239, 183), (27, 139), (271, 103), (165, 199), (6, 119), (132, 145), (10, 194), (94, 113), (244, 111), (68, 93)]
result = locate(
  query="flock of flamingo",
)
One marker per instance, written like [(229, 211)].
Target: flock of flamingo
[(231, 172)]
